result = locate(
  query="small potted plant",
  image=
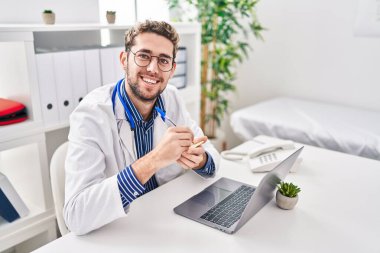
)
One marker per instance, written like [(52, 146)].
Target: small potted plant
[(111, 17), (287, 195), (48, 17)]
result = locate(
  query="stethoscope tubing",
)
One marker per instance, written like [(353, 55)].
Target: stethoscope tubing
[(128, 113)]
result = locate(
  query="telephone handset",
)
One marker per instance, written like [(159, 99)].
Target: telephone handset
[(263, 154), (234, 155)]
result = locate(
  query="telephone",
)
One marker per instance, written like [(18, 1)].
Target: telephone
[(263, 153)]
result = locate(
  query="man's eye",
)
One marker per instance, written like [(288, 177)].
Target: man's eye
[(144, 56), (164, 61)]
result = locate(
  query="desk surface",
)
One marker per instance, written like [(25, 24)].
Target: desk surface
[(338, 211)]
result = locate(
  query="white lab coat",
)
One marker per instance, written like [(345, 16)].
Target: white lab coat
[(95, 156)]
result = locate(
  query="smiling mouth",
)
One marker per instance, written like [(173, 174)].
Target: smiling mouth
[(149, 80)]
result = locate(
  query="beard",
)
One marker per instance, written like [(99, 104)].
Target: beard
[(137, 91)]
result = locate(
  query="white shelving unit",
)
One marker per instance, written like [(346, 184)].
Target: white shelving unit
[(24, 161), (26, 148)]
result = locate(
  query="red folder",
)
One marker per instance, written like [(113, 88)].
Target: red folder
[(11, 112)]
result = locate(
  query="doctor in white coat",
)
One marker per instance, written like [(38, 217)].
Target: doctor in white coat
[(130, 137)]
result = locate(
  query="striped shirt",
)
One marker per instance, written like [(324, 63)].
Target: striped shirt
[(129, 186)]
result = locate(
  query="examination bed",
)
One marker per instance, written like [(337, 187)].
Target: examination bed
[(340, 128)]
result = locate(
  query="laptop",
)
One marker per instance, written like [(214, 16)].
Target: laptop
[(228, 204)]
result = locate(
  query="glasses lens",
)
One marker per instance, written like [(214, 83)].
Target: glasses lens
[(143, 59), (165, 64)]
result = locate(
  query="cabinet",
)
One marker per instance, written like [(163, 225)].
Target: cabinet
[(77, 59)]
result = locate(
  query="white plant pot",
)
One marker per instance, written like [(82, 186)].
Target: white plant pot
[(111, 18), (48, 18), (285, 202)]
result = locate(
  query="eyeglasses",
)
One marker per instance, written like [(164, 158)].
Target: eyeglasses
[(143, 59)]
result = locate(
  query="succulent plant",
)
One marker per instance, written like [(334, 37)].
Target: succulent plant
[(288, 189), (48, 11), (111, 12)]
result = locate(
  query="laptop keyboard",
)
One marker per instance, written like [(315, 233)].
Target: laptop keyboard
[(230, 209)]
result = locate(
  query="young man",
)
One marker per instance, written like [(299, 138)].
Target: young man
[(128, 138)]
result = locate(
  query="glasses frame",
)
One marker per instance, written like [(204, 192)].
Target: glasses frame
[(151, 57)]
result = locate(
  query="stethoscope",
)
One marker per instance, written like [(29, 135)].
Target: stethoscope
[(128, 113)]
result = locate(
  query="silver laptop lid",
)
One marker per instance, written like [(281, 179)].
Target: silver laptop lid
[(265, 190)]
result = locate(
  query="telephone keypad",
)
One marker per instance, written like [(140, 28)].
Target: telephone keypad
[(266, 158)]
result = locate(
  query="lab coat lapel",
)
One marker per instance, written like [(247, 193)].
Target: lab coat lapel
[(159, 130), (126, 135), (127, 141)]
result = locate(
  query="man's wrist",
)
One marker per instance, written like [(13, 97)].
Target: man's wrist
[(203, 162), (152, 160), (145, 167), (156, 160)]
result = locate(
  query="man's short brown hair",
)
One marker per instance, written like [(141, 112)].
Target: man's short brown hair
[(158, 27)]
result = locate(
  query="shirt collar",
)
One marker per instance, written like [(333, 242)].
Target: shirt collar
[(136, 115)]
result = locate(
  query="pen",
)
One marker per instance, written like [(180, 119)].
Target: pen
[(171, 121), (195, 145), (163, 116)]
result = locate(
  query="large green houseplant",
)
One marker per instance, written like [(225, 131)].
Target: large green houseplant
[(226, 26)]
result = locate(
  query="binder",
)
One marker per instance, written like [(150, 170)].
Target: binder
[(11, 205), (107, 62), (180, 69), (119, 71), (62, 75), (178, 81), (93, 71), (181, 55), (47, 88), (112, 70), (78, 76)]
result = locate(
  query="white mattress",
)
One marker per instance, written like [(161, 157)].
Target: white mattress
[(334, 127)]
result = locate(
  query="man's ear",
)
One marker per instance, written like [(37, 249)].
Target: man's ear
[(173, 70), (123, 58)]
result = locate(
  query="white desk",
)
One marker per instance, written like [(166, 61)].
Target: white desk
[(338, 211)]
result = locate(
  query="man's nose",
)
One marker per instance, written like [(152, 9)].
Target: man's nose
[(153, 65)]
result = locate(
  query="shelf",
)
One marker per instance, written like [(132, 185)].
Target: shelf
[(15, 232), (19, 130), (57, 126), (181, 27)]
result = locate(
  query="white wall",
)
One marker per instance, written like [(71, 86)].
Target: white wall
[(83, 11), (125, 10), (67, 11), (310, 52)]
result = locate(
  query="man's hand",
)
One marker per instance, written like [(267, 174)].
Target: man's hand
[(195, 157), (175, 141)]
